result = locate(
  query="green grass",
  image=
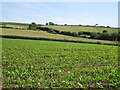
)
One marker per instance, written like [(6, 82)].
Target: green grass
[(17, 26), (43, 34), (82, 28), (67, 28), (33, 63)]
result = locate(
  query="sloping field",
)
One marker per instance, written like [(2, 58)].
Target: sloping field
[(17, 26), (50, 64), (67, 28), (82, 28), (43, 34)]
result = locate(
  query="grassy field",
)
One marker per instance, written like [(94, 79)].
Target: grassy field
[(69, 28), (82, 28), (15, 25), (43, 34), (45, 64)]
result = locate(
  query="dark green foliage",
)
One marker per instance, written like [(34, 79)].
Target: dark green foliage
[(8, 27), (114, 36), (51, 23), (94, 35), (98, 42), (50, 31), (57, 31), (32, 26), (119, 36), (98, 33), (108, 27), (96, 24), (104, 31), (86, 33), (74, 34), (104, 36), (46, 23), (68, 33), (80, 33), (65, 24)]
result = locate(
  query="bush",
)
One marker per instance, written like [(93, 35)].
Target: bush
[(108, 27), (62, 32), (68, 33), (94, 35), (32, 26), (86, 33), (80, 33), (51, 23), (65, 24), (104, 31), (57, 31), (99, 43), (98, 33), (114, 36), (46, 23), (74, 34), (104, 36)]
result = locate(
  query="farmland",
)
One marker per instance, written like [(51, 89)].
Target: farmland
[(67, 28), (50, 64), (38, 63), (83, 28), (43, 34)]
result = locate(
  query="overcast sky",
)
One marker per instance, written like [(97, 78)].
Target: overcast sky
[(85, 13)]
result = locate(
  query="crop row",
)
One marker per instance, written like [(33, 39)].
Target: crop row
[(48, 64)]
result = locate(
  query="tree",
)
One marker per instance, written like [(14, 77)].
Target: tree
[(108, 26), (65, 24), (96, 24), (50, 23), (46, 23), (32, 26)]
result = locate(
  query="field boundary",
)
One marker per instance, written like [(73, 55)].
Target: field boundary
[(48, 39)]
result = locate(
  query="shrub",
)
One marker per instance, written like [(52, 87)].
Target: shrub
[(86, 33), (62, 32), (80, 33), (94, 35), (57, 31), (99, 43), (51, 31), (114, 36), (51, 23), (98, 33), (74, 34), (65, 24), (104, 31), (104, 36), (108, 27), (32, 26), (68, 33)]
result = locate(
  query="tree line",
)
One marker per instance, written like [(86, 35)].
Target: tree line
[(93, 35)]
